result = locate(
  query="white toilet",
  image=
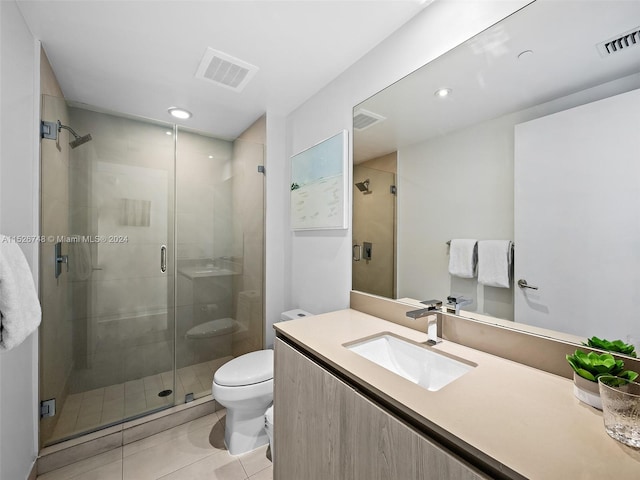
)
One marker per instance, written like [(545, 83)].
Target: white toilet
[(244, 386)]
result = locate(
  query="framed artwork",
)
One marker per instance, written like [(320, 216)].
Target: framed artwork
[(319, 185)]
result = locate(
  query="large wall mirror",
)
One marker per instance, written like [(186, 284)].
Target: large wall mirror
[(528, 132)]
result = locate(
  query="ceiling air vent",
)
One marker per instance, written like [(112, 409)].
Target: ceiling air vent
[(620, 42), (363, 119), (225, 70)]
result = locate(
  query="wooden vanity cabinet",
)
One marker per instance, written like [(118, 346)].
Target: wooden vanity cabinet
[(326, 430)]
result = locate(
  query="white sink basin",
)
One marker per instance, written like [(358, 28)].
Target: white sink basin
[(419, 365)]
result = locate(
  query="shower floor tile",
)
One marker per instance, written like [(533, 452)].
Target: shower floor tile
[(103, 406), (193, 451)]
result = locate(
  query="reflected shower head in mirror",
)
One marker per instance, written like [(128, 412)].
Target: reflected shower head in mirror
[(78, 140), (364, 187)]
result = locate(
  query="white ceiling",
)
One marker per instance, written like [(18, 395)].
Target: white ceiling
[(488, 79), (140, 57)]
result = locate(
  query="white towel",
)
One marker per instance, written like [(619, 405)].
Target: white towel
[(463, 256), (19, 306), (494, 263)]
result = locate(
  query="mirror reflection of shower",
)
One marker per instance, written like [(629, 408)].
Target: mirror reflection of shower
[(50, 131), (364, 187)]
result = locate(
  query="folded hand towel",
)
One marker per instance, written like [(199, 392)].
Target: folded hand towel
[(494, 263), (463, 255), (19, 306)]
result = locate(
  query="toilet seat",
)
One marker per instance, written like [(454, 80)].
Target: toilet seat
[(213, 328), (247, 369)]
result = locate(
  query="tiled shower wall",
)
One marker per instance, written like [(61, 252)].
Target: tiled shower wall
[(374, 221)]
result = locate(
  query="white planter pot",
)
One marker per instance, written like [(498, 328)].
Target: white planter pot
[(586, 391)]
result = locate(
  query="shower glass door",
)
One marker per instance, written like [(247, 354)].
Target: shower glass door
[(108, 333), (220, 255)]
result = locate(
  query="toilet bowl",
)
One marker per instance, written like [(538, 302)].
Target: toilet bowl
[(244, 386)]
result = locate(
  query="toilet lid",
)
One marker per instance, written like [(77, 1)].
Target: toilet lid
[(213, 328), (247, 369)]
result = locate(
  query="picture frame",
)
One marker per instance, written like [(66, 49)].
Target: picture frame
[(319, 185)]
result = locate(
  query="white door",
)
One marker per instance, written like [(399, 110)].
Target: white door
[(577, 219)]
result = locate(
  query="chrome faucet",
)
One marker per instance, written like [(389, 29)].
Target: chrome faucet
[(455, 302), (434, 327)]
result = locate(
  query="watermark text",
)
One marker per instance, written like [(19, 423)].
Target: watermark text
[(66, 239)]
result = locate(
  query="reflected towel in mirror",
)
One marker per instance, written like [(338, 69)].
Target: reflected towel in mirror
[(494, 263), (463, 257)]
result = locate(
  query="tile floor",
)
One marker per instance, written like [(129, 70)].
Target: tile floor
[(193, 451), (87, 411)]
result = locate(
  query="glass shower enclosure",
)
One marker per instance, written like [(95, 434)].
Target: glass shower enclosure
[(151, 265)]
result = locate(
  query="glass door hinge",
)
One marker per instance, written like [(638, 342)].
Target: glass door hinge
[(48, 408)]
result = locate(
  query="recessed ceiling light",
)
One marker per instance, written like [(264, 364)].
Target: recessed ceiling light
[(442, 92), (210, 156), (180, 113), (168, 133)]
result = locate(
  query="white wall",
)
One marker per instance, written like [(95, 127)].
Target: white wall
[(320, 263), (19, 84), (469, 194)]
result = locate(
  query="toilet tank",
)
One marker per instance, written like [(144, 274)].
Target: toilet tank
[(293, 314)]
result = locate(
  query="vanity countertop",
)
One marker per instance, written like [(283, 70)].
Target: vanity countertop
[(504, 412)]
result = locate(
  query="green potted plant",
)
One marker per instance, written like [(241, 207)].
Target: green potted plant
[(617, 346), (587, 367)]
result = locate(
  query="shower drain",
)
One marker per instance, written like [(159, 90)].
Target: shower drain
[(165, 393)]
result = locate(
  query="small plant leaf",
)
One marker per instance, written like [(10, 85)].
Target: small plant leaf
[(584, 374), (573, 363), (582, 359), (629, 375)]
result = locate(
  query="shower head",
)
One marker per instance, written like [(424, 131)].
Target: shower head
[(78, 140), (364, 186)]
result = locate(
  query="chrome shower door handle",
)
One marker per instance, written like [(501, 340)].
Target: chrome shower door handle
[(356, 252), (163, 258), (523, 284), (59, 259)]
